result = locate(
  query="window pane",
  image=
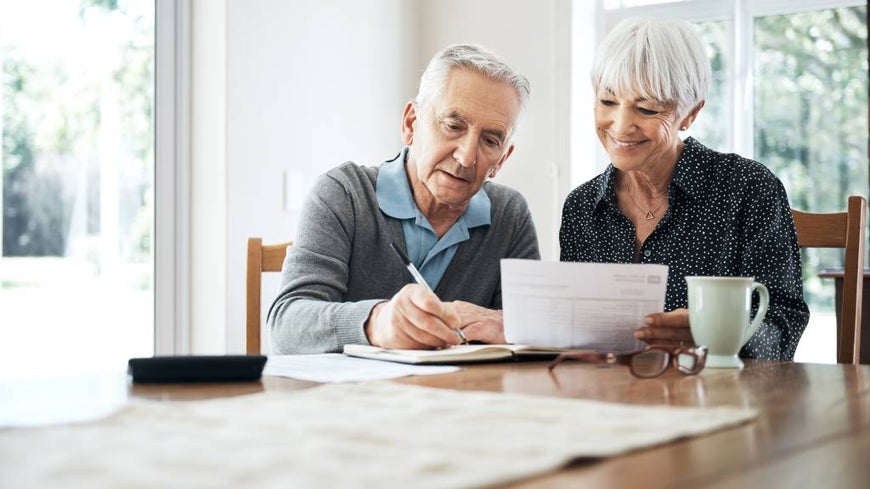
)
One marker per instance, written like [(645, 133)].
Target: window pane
[(76, 269), (811, 119), (711, 127), (615, 4)]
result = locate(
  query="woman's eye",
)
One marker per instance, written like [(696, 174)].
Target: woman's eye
[(647, 111), (607, 103)]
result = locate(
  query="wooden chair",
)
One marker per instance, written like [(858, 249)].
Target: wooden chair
[(261, 258), (841, 230)]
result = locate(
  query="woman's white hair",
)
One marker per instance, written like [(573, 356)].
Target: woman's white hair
[(471, 57), (661, 60)]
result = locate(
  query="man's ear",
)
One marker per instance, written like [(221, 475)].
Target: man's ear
[(690, 117), (495, 169), (409, 123)]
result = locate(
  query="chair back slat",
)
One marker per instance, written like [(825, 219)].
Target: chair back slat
[(841, 230), (261, 258)]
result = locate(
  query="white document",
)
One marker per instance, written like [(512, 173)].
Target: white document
[(579, 305), (335, 367)]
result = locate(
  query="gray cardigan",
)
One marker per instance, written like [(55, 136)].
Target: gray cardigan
[(340, 265)]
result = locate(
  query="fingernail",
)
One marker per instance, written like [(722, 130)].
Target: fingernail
[(648, 321), (640, 334)]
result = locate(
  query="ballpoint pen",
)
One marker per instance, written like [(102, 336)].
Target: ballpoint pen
[(422, 281)]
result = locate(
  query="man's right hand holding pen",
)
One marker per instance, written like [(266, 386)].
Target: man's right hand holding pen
[(414, 319)]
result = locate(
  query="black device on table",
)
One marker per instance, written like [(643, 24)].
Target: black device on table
[(196, 368)]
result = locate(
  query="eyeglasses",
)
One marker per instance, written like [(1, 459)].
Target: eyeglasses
[(645, 364)]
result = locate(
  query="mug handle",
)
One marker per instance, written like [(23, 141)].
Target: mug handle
[(763, 302)]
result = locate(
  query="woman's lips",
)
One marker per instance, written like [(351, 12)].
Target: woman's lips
[(625, 144)]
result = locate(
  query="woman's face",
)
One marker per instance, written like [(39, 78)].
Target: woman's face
[(638, 134)]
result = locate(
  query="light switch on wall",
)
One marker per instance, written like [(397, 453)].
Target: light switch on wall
[(293, 190)]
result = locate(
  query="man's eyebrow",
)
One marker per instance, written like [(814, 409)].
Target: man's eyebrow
[(453, 115)]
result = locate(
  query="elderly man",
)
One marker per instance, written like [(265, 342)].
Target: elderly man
[(342, 284)]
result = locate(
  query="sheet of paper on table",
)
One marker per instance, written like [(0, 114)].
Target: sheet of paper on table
[(579, 305), (335, 367)]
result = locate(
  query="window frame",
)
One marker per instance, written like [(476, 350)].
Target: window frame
[(741, 14), (172, 177)]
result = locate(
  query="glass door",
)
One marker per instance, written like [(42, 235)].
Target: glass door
[(77, 194)]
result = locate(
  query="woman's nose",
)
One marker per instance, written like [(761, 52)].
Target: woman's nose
[(623, 121)]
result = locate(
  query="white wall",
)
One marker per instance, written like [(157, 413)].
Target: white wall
[(312, 83), (208, 175), (534, 37)]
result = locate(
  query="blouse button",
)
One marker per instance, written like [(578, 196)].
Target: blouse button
[(647, 253)]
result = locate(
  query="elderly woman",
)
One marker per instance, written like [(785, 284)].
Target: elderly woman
[(676, 202)]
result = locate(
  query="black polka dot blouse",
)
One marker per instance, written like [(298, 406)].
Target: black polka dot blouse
[(727, 216)]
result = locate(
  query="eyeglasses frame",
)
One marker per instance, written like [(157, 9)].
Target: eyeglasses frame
[(699, 352)]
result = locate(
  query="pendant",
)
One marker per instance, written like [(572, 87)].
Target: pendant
[(649, 216)]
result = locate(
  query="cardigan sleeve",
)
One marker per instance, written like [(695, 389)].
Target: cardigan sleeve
[(309, 314)]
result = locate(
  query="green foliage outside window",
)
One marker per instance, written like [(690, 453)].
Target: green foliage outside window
[(53, 118), (811, 115)]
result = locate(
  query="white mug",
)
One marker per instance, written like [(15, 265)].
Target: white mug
[(719, 309)]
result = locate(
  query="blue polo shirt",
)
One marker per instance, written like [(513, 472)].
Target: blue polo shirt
[(429, 254)]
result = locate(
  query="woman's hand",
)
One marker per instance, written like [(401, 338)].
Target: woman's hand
[(479, 323), (666, 328)]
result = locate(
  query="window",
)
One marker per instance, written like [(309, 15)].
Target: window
[(76, 116), (789, 90)]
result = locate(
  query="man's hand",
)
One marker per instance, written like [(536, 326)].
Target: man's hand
[(413, 319), (480, 323), (666, 328)]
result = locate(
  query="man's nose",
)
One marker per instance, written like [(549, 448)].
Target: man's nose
[(466, 151)]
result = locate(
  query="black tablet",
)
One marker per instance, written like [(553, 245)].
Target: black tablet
[(197, 368)]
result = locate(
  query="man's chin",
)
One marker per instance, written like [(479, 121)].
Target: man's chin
[(453, 199)]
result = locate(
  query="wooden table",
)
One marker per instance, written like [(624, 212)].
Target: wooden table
[(813, 428)]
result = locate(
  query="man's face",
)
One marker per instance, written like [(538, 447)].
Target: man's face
[(458, 139)]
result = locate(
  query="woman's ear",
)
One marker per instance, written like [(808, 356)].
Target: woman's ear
[(690, 117), (409, 121)]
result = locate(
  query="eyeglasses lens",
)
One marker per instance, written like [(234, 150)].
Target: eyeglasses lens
[(687, 363), (650, 363)]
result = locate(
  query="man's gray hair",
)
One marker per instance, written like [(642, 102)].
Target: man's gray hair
[(660, 60), (471, 57)]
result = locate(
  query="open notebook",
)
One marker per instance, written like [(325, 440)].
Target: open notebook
[(454, 354)]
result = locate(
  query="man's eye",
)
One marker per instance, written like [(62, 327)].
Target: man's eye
[(492, 142), (453, 126)]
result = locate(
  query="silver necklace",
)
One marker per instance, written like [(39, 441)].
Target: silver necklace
[(649, 214)]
